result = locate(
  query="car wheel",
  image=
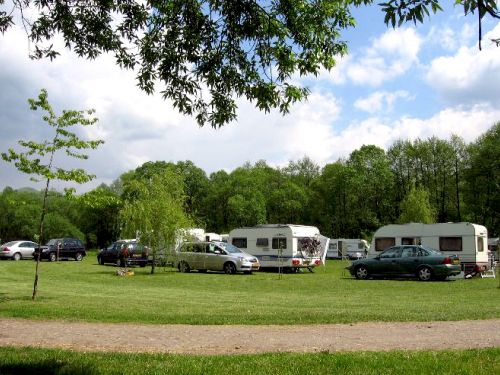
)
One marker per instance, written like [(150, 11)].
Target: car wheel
[(361, 273), (142, 265), (184, 267), (78, 257), (229, 268), (16, 257), (424, 274), (52, 257), (100, 261)]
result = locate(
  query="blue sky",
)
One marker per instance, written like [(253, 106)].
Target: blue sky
[(406, 83)]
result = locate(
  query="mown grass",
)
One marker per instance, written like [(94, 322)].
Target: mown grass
[(86, 291), (29, 361)]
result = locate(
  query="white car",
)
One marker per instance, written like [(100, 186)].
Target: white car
[(17, 250)]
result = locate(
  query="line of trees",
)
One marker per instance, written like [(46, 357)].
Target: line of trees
[(431, 180)]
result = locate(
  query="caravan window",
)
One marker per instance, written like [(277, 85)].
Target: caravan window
[(240, 242), (263, 242), (408, 241), (450, 243), (361, 245), (383, 243), (279, 243), (480, 244)]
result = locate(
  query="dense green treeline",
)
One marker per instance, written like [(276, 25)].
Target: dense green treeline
[(423, 180)]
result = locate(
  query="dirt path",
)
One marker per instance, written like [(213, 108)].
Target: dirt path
[(249, 339)]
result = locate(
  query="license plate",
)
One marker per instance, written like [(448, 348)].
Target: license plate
[(306, 262), (456, 261), (255, 265)]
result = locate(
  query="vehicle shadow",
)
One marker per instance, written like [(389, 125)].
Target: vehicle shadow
[(47, 367)]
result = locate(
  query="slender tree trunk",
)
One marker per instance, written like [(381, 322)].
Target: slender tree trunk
[(40, 239), (457, 190)]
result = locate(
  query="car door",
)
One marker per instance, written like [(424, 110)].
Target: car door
[(27, 248), (409, 260), (214, 259), (387, 263)]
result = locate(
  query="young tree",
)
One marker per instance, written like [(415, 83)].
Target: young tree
[(155, 210), (416, 208), (38, 157)]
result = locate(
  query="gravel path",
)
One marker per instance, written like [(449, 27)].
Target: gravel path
[(249, 339)]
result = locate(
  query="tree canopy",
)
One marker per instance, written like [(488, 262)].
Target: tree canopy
[(205, 54)]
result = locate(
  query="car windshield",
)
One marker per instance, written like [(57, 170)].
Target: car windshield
[(9, 243), (229, 248), (53, 242)]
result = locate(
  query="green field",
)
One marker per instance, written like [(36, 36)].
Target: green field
[(85, 291), (37, 361)]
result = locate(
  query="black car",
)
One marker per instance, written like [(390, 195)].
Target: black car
[(124, 253), (418, 261), (61, 248)]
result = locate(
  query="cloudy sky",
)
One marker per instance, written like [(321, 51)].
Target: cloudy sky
[(408, 83)]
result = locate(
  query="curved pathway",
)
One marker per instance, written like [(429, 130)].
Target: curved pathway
[(232, 339)]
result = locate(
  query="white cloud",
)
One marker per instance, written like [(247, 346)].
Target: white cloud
[(380, 101), (470, 76), (389, 56), (468, 123)]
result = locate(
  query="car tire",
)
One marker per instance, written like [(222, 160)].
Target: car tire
[(361, 273), (184, 267), (424, 274), (52, 257), (78, 257), (100, 261), (16, 257), (229, 268)]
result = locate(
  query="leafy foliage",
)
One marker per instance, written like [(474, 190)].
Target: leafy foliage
[(203, 54), (416, 208), (155, 211)]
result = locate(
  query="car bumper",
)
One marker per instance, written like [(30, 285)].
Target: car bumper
[(447, 270), (6, 255), (245, 267)]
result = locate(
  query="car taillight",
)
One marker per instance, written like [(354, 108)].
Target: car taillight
[(317, 262), (447, 260), (295, 262), (6, 250)]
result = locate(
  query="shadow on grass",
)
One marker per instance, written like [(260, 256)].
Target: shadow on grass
[(48, 367)]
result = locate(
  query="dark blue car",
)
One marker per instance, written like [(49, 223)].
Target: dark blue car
[(417, 261)]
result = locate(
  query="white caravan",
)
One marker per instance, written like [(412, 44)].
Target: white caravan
[(282, 245), (347, 247), (468, 241)]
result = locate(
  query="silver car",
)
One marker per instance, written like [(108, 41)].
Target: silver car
[(17, 250), (214, 256)]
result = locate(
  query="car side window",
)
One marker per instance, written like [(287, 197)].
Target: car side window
[(408, 252), (394, 252), (422, 253)]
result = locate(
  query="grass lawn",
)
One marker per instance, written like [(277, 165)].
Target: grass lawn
[(40, 361), (86, 291)]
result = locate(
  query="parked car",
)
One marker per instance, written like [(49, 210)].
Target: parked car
[(17, 250), (124, 253), (64, 248), (214, 256), (418, 261)]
